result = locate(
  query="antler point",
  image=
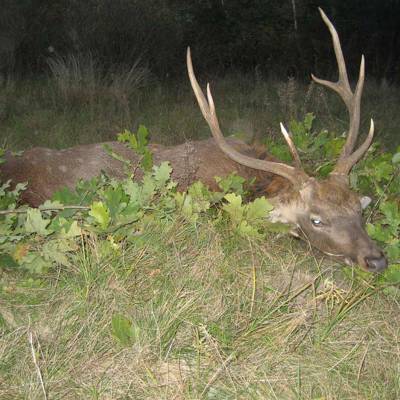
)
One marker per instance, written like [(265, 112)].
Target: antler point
[(283, 129)]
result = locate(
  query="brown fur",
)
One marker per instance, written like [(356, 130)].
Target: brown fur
[(48, 170)]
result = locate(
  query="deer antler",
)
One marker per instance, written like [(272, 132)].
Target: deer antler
[(352, 101), (207, 107)]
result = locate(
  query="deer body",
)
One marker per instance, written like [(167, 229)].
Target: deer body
[(326, 212), (48, 170)]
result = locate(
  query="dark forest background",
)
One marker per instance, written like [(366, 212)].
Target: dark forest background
[(278, 38)]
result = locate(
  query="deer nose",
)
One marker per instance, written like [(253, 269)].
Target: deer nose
[(376, 264)]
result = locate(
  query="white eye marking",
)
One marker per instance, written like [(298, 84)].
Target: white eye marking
[(316, 222)]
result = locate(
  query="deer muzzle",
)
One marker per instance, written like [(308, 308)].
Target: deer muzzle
[(376, 264)]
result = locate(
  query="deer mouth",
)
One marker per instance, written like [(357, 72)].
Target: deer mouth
[(373, 264)]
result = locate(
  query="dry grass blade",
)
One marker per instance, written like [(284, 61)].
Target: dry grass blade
[(35, 361)]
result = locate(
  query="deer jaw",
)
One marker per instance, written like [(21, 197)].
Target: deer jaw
[(329, 215)]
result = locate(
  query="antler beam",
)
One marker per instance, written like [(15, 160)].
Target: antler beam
[(352, 101), (207, 107)]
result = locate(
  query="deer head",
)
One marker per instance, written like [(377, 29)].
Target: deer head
[(325, 212)]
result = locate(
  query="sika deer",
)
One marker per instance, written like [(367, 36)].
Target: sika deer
[(326, 213)]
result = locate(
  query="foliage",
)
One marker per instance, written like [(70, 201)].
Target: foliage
[(138, 143), (34, 239), (120, 211), (381, 174), (2, 153), (318, 150), (247, 219), (117, 211)]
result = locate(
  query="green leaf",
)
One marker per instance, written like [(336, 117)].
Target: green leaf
[(390, 210), (35, 223), (6, 261), (100, 213), (234, 207), (333, 147), (396, 158), (122, 329), (162, 174), (133, 190), (202, 197), (2, 153), (392, 275), (185, 203), (280, 151), (147, 160), (379, 232), (35, 263), (65, 228), (128, 137), (393, 251), (245, 229), (73, 231), (142, 134), (383, 170), (308, 121), (55, 251), (233, 199), (50, 205), (115, 199), (325, 169), (258, 210), (194, 202), (232, 183), (66, 196)]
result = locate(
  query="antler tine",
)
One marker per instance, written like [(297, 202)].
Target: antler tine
[(342, 87), (294, 175), (345, 166), (291, 145)]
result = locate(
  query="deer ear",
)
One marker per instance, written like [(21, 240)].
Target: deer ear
[(365, 201)]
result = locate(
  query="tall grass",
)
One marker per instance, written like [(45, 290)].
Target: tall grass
[(81, 102), (77, 77), (80, 79)]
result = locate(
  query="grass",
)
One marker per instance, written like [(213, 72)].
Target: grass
[(211, 316), (45, 113)]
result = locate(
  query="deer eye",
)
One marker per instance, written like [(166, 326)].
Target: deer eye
[(316, 222)]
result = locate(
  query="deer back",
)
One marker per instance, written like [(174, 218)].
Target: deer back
[(48, 170)]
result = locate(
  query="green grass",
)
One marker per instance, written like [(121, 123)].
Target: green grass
[(213, 317)]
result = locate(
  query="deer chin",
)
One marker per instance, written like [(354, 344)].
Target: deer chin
[(348, 261)]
